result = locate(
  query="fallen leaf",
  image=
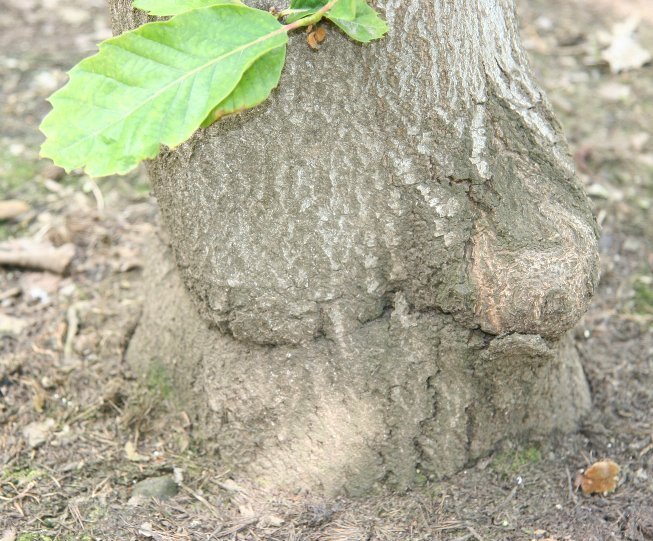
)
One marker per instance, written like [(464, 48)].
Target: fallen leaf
[(8, 535), (132, 454), (312, 42), (230, 485), (601, 477), (320, 34), (245, 509), (38, 433), (146, 530), (315, 37), (624, 53), (270, 521), (11, 326)]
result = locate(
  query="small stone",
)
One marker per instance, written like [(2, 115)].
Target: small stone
[(11, 326), (53, 172), (160, 488), (47, 81), (146, 530), (544, 24), (37, 433)]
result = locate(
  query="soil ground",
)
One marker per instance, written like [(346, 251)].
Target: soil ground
[(63, 379)]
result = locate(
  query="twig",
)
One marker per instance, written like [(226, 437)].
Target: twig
[(203, 501), (505, 502), (13, 292), (572, 495), (74, 512), (237, 527), (34, 255), (12, 208), (474, 533), (73, 327), (97, 193)]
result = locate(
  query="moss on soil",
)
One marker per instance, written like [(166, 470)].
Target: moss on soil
[(511, 462), (643, 298), (15, 172), (158, 379), (22, 476)]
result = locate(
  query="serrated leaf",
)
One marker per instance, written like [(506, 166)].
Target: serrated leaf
[(354, 17), (365, 26), (253, 88), (343, 9), (154, 85), (165, 8)]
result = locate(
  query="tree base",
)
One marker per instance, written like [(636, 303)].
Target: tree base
[(408, 396)]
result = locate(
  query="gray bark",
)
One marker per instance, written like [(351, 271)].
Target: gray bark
[(375, 269)]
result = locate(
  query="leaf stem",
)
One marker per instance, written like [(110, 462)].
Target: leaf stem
[(286, 12), (311, 19)]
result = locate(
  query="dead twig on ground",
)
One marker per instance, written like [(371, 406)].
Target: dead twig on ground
[(29, 254), (73, 326), (570, 486)]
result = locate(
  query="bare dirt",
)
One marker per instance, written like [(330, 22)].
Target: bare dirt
[(78, 431)]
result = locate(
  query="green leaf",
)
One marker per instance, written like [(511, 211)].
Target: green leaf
[(253, 88), (365, 26), (165, 8), (344, 9), (154, 85), (354, 17)]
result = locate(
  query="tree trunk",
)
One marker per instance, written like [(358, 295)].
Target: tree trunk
[(375, 270)]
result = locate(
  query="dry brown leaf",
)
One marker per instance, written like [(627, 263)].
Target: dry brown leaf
[(315, 37), (312, 42), (624, 53), (320, 34), (601, 477), (38, 401), (132, 454)]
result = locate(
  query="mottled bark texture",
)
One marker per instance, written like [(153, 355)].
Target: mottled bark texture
[(375, 270)]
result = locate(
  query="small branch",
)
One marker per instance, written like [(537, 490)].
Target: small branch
[(570, 485), (34, 255), (73, 326)]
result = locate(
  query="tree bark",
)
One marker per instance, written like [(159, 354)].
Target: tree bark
[(375, 270)]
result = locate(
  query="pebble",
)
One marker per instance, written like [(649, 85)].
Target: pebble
[(11, 326), (160, 488), (53, 172), (38, 433)]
